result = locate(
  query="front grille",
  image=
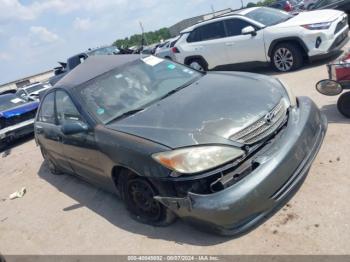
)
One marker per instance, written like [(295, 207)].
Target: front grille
[(264, 127), (343, 23), (18, 119)]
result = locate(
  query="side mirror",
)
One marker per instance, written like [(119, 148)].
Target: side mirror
[(72, 128), (249, 30), (329, 87)]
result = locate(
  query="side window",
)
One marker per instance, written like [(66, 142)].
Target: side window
[(194, 36), (47, 112), (234, 26), (213, 31), (66, 110)]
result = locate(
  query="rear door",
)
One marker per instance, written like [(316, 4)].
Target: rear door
[(48, 133), (208, 41), (244, 48)]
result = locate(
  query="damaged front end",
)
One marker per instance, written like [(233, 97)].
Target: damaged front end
[(237, 197)]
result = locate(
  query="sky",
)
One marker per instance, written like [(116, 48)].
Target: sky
[(35, 34)]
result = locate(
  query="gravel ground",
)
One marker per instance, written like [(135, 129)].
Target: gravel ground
[(63, 215)]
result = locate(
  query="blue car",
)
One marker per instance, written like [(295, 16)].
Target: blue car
[(16, 117)]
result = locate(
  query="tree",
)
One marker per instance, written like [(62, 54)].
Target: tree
[(250, 4), (150, 37)]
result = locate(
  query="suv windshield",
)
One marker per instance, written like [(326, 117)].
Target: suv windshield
[(134, 86), (10, 101), (268, 16)]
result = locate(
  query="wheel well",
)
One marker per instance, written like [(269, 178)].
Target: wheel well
[(295, 41), (189, 59), (117, 171)]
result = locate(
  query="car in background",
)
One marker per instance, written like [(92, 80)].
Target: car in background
[(287, 5), (16, 117), (309, 4), (263, 35), (223, 150), (33, 91), (343, 5), (167, 51), (74, 61)]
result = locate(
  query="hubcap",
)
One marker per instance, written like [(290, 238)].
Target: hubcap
[(283, 59), (197, 66), (141, 195)]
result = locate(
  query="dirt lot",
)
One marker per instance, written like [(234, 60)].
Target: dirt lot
[(63, 215)]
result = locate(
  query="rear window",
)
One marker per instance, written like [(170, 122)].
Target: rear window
[(207, 32)]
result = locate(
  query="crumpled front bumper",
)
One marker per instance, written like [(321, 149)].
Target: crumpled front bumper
[(282, 169)]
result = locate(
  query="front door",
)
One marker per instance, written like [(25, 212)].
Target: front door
[(244, 48), (80, 149)]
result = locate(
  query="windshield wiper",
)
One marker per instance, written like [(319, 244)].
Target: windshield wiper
[(179, 88), (128, 113)]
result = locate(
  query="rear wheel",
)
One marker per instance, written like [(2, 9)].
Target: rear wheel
[(50, 164), (197, 64), (344, 104), (138, 194), (286, 57)]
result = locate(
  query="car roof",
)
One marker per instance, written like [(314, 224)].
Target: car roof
[(92, 67), (235, 13)]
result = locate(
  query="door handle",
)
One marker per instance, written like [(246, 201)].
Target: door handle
[(230, 44)]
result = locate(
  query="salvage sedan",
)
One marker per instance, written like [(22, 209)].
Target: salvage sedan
[(222, 150)]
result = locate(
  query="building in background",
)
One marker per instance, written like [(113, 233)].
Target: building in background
[(41, 77), (178, 27)]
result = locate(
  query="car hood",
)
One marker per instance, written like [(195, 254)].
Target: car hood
[(312, 17), (19, 110), (208, 111)]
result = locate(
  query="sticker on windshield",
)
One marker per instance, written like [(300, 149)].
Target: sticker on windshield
[(152, 60), (100, 111), (16, 100), (119, 76), (171, 66)]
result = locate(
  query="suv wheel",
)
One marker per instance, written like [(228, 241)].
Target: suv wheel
[(197, 64), (286, 57)]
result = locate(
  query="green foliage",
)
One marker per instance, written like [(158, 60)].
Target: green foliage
[(150, 38), (261, 3)]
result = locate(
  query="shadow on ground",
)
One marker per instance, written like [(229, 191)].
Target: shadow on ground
[(5, 150), (333, 115), (112, 209), (268, 70)]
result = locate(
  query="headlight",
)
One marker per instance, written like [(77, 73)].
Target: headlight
[(318, 26), (290, 93), (197, 159)]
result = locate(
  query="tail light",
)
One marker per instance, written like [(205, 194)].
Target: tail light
[(175, 50), (288, 7)]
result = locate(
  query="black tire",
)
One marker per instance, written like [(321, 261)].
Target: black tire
[(344, 104), (287, 57), (142, 206), (202, 65), (50, 164)]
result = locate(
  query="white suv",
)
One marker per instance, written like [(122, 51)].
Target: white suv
[(262, 34)]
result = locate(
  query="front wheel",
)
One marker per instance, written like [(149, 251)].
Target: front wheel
[(138, 194), (344, 104), (286, 57), (198, 64)]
